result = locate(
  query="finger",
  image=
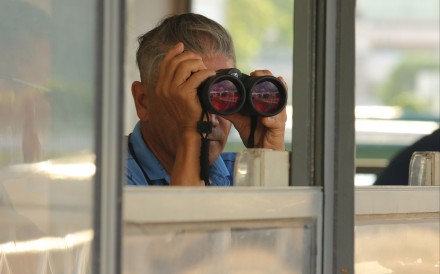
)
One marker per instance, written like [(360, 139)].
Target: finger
[(263, 72), (173, 56), (284, 82), (270, 122), (185, 69), (242, 124), (185, 89), (198, 77), (180, 68), (161, 84), (175, 62), (274, 122), (171, 53), (238, 120), (177, 49)]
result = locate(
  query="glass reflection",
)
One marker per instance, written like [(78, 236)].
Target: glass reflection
[(47, 165), (397, 246), (397, 83), (25, 75), (248, 249)]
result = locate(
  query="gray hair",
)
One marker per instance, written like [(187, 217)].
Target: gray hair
[(198, 33)]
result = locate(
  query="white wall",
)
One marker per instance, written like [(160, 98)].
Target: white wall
[(141, 16)]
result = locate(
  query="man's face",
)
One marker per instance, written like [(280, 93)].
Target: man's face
[(221, 126)]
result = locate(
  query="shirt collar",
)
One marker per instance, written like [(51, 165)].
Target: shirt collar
[(219, 167), (150, 164), (153, 168)]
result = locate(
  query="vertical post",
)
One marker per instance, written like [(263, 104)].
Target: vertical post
[(109, 128), (339, 146), (303, 93), (323, 150)]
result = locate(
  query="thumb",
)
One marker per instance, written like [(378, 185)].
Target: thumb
[(269, 122)]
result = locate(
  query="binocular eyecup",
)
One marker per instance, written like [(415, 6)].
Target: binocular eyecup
[(230, 91)]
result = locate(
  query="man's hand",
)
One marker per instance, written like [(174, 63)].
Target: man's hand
[(169, 113), (180, 73)]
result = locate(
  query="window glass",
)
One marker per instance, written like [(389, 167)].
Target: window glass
[(397, 68), (232, 248), (397, 81), (414, 246), (47, 119), (263, 38)]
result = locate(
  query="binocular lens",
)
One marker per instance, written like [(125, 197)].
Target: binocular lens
[(230, 91), (266, 97), (224, 96)]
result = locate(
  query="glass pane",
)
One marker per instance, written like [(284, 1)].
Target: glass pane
[(397, 83), (47, 118), (398, 246), (263, 38), (220, 248)]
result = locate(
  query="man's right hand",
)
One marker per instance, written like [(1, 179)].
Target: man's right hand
[(175, 107), (180, 73)]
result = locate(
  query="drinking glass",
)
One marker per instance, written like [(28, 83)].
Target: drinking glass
[(261, 167), (424, 168)]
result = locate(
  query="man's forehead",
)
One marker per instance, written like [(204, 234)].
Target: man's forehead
[(216, 62)]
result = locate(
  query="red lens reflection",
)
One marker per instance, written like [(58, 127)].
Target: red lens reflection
[(266, 97), (224, 96)]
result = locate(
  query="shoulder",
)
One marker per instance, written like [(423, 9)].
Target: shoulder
[(133, 172)]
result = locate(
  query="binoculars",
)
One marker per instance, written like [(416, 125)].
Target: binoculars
[(230, 91)]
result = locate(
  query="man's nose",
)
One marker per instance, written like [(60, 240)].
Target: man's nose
[(214, 120)]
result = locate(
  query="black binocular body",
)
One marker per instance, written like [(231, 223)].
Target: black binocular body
[(230, 91)]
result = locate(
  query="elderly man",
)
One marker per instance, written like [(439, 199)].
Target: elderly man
[(174, 59)]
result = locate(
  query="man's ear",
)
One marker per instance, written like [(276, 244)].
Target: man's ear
[(139, 92)]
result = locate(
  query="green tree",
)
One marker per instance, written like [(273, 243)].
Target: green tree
[(259, 25), (399, 88)]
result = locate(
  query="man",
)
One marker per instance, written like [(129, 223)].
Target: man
[(165, 146)]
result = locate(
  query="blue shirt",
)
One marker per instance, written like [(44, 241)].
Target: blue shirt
[(153, 173)]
